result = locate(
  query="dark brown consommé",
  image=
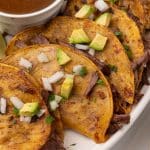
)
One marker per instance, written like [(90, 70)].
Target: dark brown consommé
[(23, 6)]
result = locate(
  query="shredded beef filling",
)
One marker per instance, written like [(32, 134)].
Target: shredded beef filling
[(93, 80), (117, 123), (37, 39), (54, 143)]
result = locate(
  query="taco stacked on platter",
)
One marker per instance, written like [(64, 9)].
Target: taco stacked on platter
[(89, 63)]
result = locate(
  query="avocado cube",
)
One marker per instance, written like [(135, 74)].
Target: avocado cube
[(29, 109), (62, 57), (98, 42), (78, 36), (66, 87), (85, 11), (104, 19)]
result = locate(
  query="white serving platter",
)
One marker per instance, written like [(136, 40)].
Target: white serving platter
[(75, 141)]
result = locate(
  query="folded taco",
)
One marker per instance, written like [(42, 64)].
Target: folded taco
[(118, 21), (76, 85), (108, 50), (23, 113)]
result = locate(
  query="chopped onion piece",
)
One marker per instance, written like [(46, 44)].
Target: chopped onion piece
[(46, 84), (8, 38), (101, 5), (41, 112), (91, 52), (42, 58), (77, 69), (25, 63), (56, 77), (25, 119), (16, 102), (91, 17), (53, 105), (69, 76), (81, 46), (58, 98), (3, 105)]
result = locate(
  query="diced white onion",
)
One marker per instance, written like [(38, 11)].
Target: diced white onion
[(58, 98), (91, 17), (91, 52), (56, 77), (69, 76), (101, 5), (16, 102), (25, 63), (46, 84), (77, 69), (3, 105), (25, 119), (42, 58), (41, 112), (8, 38), (81, 46), (53, 105)]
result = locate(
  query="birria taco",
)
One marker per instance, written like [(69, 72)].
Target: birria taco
[(76, 85), (23, 112), (109, 51), (118, 21)]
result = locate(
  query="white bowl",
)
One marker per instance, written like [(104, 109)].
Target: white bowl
[(13, 23)]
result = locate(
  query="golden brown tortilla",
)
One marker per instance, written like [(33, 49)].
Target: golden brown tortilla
[(89, 116), (56, 32), (13, 133)]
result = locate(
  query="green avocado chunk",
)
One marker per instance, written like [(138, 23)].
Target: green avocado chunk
[(29, 109), (66, 87), (85, 11), (2, 46), (104, 19), (62, 57), (78, 36), (98, 42)]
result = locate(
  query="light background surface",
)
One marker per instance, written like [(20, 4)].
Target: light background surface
[(138, 137)]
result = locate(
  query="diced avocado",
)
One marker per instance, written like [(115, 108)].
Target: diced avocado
[(2, 47), (66, 87), (29, 109), (62, 57), (85, 11), (98, 42), (79, 37), (104, 19)]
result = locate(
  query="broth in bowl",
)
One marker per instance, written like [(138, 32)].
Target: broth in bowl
[(23, 6)]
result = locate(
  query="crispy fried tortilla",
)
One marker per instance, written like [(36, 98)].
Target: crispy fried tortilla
[(113, 54), (140, 11), (120, 22), (89, 115), (13, 133)]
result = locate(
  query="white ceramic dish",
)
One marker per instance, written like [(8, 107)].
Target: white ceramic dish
[(75, 141), (12, 23)]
